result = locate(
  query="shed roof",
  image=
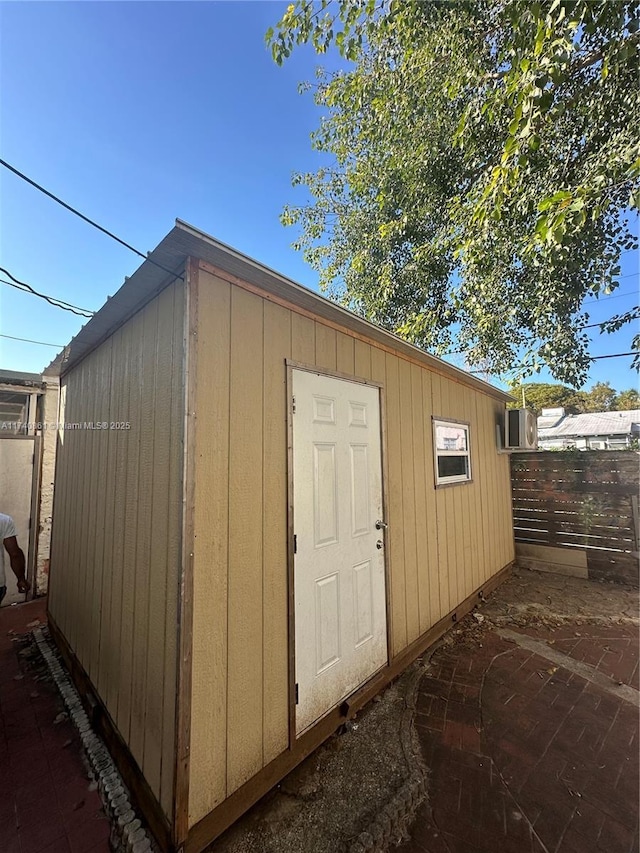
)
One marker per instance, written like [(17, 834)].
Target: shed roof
[(593, 423), (166, 263)]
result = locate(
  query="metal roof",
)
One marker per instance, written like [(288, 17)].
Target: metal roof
[(593, 423), (19, 377), (185, 241)]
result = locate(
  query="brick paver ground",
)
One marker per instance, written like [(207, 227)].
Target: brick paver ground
[(525, 755), (46, 802), (527, 722)]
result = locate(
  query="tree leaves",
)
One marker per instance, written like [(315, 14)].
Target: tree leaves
[(485, 160)]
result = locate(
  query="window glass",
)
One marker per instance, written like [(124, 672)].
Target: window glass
[(452, 455), (451, 437)]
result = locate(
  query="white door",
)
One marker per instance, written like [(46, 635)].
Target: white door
[(339, 580), (16, 478)]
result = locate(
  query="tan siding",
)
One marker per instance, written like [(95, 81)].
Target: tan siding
[(346, 354), (303, 339), (130, 532), (325, 345), (153, 685), (208, 767), (97, 536), (244, 698), (397, 592), (408, 523), (362, 360), (239, 718), (175, 425), (437, 610), (146, 493), (424, 567), (118, 505)]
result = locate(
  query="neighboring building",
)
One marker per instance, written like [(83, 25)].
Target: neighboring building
[(285, 507), (592, 431), (28, 415)]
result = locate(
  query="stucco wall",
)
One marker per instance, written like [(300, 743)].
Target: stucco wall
[(49, 437)]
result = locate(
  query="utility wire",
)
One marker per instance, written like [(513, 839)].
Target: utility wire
[(86, 218), (57, 303), (28, 341), (613, 355), (593, 358)]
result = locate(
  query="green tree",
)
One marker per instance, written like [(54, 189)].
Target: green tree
[(547, 395), (601, 398), (483, 157), (629, 399)]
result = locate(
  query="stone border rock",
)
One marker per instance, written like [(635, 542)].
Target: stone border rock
[(128, 834), (393, 821)]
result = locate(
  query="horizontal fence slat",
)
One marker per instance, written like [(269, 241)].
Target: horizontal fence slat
[(577, 501), (595, 521)]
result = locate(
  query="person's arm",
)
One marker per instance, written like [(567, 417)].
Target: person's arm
[(16, 556)]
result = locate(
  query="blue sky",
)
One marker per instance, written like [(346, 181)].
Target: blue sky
[(138, 113)]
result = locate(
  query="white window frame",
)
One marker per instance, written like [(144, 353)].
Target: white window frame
[(457, 478)]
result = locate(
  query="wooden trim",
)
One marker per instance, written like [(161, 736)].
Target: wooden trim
[(286, 303), (384, 470), (185, 591), (141, 794), (221, 818), (332, 374), (291, 615)]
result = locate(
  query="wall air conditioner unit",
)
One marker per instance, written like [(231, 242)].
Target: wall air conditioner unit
[(521, 430)]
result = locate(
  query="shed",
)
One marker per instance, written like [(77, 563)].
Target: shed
[(266, 507)]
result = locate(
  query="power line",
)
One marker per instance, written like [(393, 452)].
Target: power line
[(28, 341), (86, 218), (592, 358), (613, 355), (57, 303), (609, 298)]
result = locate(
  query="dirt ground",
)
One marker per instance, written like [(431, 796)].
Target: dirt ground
[(364, 787)]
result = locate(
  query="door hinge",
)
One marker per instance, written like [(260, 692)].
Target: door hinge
[(297, 694), (295, 543), (293, 405)]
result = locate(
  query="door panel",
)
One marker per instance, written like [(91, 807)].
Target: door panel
[(339, 580)]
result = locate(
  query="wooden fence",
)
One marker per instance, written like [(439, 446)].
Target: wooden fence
[(577, 512)]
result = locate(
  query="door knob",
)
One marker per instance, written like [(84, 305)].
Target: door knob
[(381, 525)]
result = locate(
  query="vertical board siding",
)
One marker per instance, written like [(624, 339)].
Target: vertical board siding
[(441, 543), (245, 581), (208, 762), (397, 529), (117, 528)]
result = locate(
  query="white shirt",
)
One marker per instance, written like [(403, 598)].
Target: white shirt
[(7, 529)]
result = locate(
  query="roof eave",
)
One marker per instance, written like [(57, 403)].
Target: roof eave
[(184, 241)]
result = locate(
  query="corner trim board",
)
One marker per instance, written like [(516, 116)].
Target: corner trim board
[(185, 591)]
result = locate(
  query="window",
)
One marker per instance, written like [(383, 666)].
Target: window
[(452, 455)]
